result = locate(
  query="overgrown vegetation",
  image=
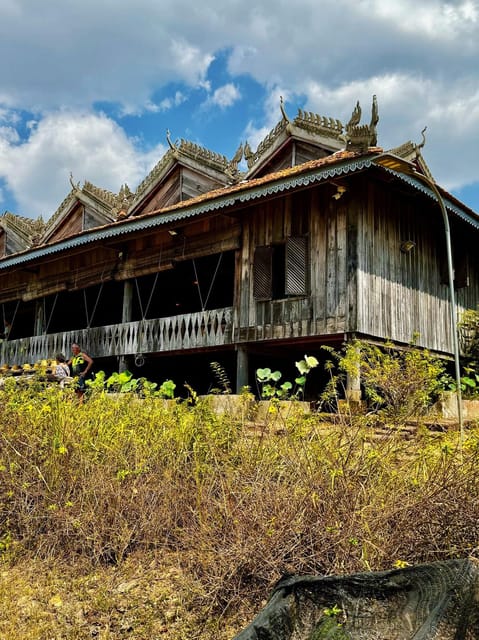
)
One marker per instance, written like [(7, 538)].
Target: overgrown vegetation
[(221, 378), (398, 383), (210, 511), (270, 387), (124, 382)]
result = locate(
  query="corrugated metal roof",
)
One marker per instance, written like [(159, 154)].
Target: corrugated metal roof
[(302, 175), (464, 213), (333, 166)]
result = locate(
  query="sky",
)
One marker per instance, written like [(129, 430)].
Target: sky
[(91, 87)]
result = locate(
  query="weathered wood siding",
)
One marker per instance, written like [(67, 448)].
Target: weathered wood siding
[(315, 215), (167, 193), (10, 242), (93, 218), (194, 183), (142, 255), (403, 295), (328, 262), (71, 225), (73, 272), (181, 184), (291, 155)]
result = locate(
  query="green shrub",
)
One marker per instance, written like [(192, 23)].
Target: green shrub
[(238, 507), (400, 383), (269, 381)]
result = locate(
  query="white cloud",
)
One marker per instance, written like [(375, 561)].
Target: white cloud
[(91, 146), (435, 20), (151, 107), (78, 53), (149, 57), (224, 96), (9, 135)]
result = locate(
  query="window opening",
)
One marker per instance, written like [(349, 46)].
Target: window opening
[(89, 319), (281, 270), (47, 324), (198, 283), (8, 324), (150, 298)]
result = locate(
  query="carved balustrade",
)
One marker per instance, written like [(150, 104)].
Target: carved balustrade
[(188, 331)]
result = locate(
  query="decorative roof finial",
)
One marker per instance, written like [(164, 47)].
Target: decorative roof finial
[(75, 187), (281, 106), (355, 116), (418, 147), (374, 120), (232, 168), (359, 137), (168, 139)]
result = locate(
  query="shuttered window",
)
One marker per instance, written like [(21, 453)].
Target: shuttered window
[(296, 265), (263, 273), (281, 270)]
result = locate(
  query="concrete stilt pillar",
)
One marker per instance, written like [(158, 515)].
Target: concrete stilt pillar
[(353, 384), (241, 368)]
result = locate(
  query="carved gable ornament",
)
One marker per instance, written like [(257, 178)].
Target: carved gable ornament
[(359, 137)]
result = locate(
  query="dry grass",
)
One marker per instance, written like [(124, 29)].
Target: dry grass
[(129, 519), (142, 598)]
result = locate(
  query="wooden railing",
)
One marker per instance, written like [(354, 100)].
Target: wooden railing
[(188, 331)]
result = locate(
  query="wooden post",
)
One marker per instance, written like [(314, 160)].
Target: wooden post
[(241, 368), (126, 315), (353, 388), (39, 318), (353, 384)]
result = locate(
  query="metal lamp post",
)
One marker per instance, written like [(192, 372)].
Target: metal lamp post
[(390, 161)]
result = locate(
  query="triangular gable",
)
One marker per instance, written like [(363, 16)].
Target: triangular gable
[(66, 225), (3, 242), (83, 208), (185, 171), (409, 151), (102, 206), (18, 234), (308, 137)]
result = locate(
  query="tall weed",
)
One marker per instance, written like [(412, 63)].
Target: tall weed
[(239, 506)]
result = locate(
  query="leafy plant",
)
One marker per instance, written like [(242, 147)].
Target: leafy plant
[(221, 377), (469, 382), (400, 383), (122, 382), (98, 382), (167, 390), (469, 333), (269, 381)]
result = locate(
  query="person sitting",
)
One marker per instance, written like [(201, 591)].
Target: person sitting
[(62, 370)]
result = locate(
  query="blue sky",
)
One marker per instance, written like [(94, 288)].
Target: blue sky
[(91, 87)]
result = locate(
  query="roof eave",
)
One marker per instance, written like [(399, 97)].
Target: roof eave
[(234, 196)]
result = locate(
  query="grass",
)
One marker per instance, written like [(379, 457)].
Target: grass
[(123, 518)]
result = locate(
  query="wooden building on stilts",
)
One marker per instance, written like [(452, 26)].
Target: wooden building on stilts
[(309, 240)]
